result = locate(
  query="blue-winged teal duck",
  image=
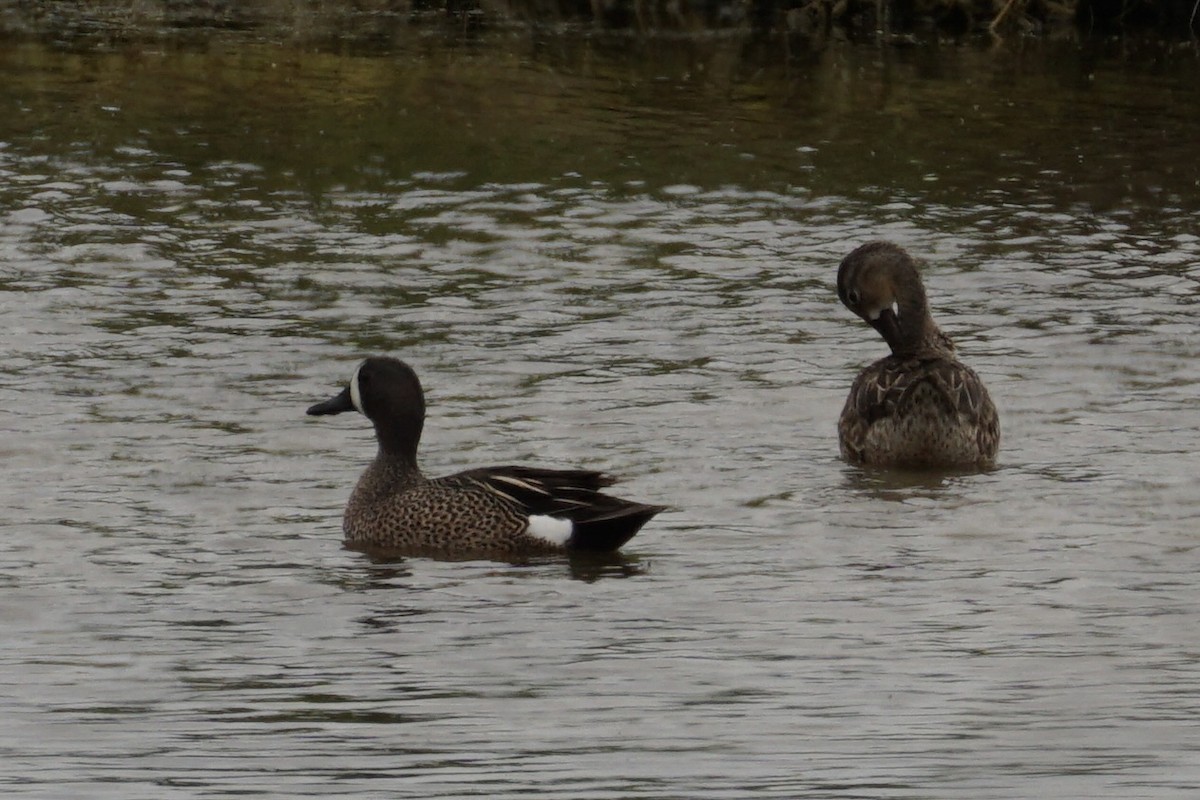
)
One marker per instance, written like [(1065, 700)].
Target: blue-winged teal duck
[(503, 511), (920, 407)]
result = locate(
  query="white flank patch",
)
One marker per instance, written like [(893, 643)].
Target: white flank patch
[(551, 529), (355, 397)]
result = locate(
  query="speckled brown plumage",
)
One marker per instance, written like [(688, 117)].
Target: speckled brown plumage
[(920, 407), (481, 512)]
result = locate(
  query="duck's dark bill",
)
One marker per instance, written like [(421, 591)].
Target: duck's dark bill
[(334, 405), (888, 325)]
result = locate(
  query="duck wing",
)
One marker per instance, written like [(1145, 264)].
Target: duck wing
[(600, 521), (891, 386)]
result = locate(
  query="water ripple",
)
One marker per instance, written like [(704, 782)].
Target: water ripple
[(181, 618)]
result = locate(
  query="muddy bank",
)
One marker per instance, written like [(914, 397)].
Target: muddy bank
[(382, 21)]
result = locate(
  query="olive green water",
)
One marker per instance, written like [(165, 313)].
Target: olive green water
[(616, 252)]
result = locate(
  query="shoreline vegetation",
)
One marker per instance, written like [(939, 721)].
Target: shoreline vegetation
[(377, 21)]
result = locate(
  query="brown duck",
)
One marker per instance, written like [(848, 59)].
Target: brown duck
[(495, 511), (920, 407)]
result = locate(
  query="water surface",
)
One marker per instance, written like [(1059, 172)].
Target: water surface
[(607, 252)]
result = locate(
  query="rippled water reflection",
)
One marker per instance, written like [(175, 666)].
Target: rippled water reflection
[(623, 263)]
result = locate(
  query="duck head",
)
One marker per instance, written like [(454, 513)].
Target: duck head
[(386, 391), (879, 282)]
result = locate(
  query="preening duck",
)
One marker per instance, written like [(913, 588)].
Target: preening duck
[(919, 407)]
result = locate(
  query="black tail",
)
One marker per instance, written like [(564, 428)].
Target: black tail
[(611, 524), (601, 522)]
